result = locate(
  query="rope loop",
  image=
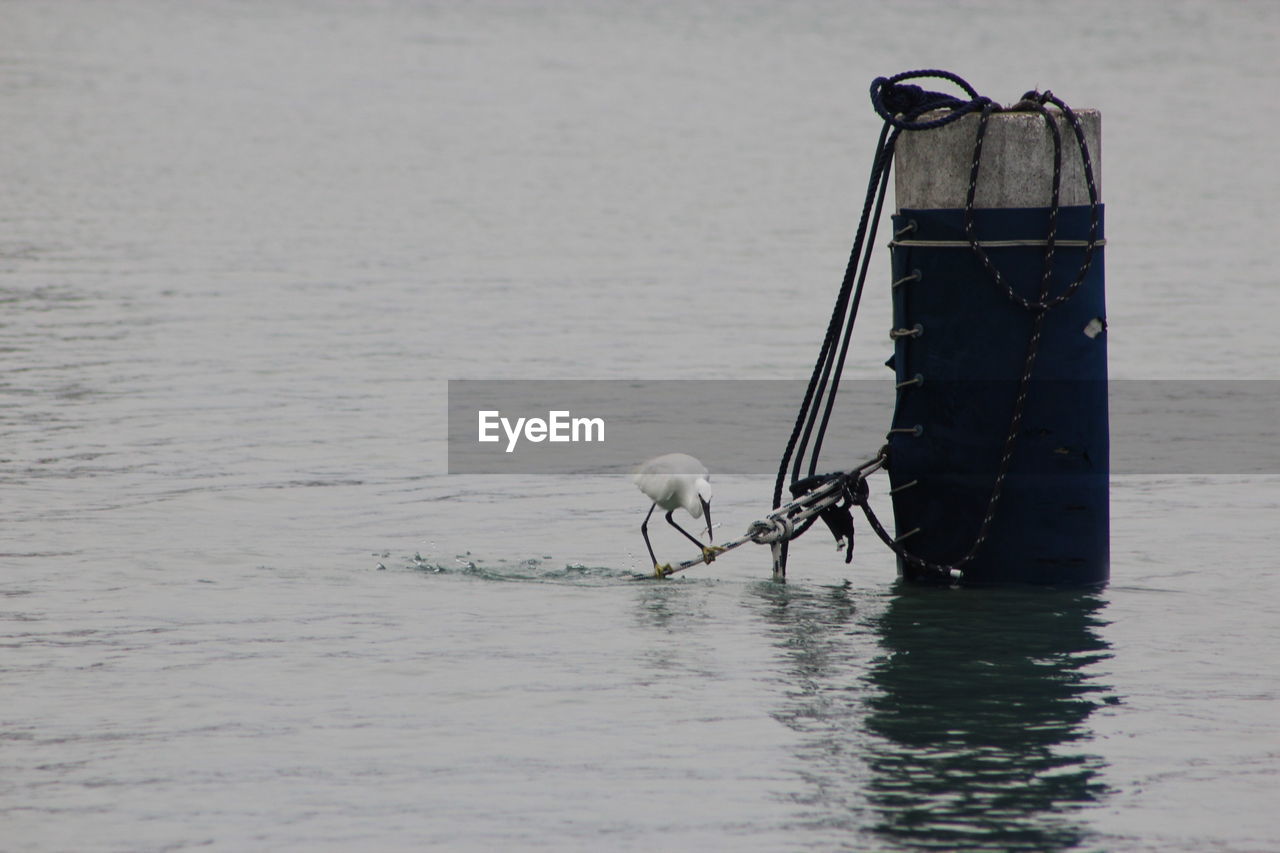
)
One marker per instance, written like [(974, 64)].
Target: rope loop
[(901, 104), (773, 529), (1034, 101)]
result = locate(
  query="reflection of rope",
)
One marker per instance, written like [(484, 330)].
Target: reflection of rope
[(901, 105)]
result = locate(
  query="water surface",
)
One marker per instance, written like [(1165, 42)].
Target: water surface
[(243, 247)]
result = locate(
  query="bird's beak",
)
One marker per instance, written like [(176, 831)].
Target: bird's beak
[(706, 509)]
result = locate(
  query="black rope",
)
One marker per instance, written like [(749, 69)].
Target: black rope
[(901, 106), (848, 329), (858, 261)]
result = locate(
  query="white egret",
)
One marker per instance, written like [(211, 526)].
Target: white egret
[(672, 481)]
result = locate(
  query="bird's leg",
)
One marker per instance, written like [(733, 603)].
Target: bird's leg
[(708, 554), (659, 571), (686, 533)]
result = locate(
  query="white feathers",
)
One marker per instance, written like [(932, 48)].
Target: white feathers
[(675, 480)]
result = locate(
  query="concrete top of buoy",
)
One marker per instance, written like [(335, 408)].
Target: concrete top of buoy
[(931, 167)]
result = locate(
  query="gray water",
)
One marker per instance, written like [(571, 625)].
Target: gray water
[(244, 245)]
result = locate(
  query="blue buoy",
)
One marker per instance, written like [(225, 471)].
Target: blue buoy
[(998, 452), (962, 330)]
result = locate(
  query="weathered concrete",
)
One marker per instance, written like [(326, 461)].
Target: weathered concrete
[(932, 167)]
